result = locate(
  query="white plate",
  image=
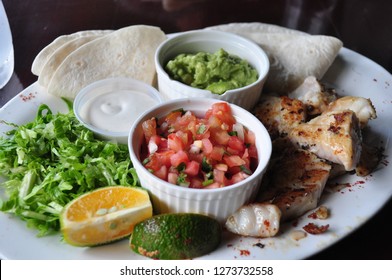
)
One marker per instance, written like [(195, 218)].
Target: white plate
[(351, 74)]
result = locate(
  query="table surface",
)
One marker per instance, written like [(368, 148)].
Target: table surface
[(363, 26)]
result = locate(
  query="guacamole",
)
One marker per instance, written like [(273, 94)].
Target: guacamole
[(217, 72)]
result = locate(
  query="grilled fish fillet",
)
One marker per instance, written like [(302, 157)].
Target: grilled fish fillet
[(314, 95), (362, 107), (335, 136), (279, 114), (294, 181)]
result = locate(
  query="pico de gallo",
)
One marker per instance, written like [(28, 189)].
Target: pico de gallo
[(209, 152)]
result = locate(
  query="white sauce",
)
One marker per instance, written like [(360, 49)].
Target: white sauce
[(116, 111)]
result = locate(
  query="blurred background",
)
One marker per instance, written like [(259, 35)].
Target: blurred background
[(364, 26)]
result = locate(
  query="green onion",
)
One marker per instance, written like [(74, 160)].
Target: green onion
[(146, 160), (205, 166), (246, 170), (181, 180), (201, 129), (181, 166), (207, 182)]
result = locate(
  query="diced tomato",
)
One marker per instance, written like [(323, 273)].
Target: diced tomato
[(196, 157), (186, 119), (233, 161), (185, 137), (163, 145), (174, 142), (196, 183), (236, 144), (149, 128), (179, 157), (246, 158), (238, 177), (156, 160), (208, 114), (252, 151), (192, 168), (172, 178), (222, 111), (172, 117), (214, 122), (249, 137), (156, 139), (191, 129), (222, 167), (161, 173), (219, 176), (233, 152), (217, 153), (220, 137), (152, 162), (207, 146), (233, 170), (199, 153), (164, 157), (207, 135)]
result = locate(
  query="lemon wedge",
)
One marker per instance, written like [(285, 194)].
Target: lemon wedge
[(104, 215)]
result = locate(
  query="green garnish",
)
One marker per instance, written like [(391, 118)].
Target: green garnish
[(205, 166), (181, 166), (50, 161), (146, 160), (210, 175), (181, 180), (207, 182), (246, 170), (202, 128)]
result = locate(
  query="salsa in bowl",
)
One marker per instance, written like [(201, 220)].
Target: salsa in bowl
[(200, 156)]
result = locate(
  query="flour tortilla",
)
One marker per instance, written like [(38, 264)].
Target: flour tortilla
[(58, 56), (46, 52), (249, 28), (127, 52), (294, 55)]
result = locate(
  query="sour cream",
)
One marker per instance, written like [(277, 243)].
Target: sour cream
[(109, 107), (116, 111)]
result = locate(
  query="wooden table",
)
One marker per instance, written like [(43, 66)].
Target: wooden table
[(364, 26)]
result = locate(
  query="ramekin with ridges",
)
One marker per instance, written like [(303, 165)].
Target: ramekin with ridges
[(210, 41), (218, 203)]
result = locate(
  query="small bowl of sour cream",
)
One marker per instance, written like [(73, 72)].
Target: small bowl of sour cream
[(109, 107)]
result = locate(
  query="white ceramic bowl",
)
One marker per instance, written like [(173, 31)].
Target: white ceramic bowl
[(210, 41), (218, 203), (135, 97)]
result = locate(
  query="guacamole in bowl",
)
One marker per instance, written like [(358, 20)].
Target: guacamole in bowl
[(211, 64), (216, 72)]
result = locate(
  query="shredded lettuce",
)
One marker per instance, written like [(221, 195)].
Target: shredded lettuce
[(52, 160)]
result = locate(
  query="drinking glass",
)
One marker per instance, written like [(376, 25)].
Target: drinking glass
[(6, 49)]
